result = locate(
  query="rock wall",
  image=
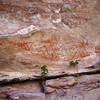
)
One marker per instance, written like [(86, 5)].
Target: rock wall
[(51, 32), (67, 88), (82, 88)]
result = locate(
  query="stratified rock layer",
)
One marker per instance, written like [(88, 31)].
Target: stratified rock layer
[(86, 87), (51, 32), (82, 88), (18, 94)]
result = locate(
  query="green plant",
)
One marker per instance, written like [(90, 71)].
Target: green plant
[(44, 70), (74, 63)]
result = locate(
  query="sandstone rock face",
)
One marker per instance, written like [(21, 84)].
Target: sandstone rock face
[(48, 32), (87, 87), (17, 94), (49, 14), (67, 88), (60, 83)]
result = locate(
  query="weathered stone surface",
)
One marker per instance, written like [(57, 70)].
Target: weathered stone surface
[(48, 14), (61, 82), (18, 94), (87, 87), (51, 32), (67, 88), (49, 90)]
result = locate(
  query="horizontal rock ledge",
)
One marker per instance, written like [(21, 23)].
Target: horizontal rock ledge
[(31, 77)]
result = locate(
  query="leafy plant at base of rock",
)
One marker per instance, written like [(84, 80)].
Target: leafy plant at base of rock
[(74, 63), (44, 70)]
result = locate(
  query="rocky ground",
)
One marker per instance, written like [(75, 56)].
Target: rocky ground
[(49, 32)]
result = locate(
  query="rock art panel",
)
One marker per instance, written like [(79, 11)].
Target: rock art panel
[(47, 31), (50, 32), (41, 48)]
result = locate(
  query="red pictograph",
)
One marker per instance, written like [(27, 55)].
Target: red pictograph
[(51, 49)]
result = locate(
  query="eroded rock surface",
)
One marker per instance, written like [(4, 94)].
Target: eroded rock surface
[(86, 88), (51, 32), (18, 94), (61, 83)]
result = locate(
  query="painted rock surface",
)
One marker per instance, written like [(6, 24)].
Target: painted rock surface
[(52, 33), (47, 32)]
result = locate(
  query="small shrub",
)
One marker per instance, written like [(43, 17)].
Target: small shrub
[(74, 63), (44, 70)]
